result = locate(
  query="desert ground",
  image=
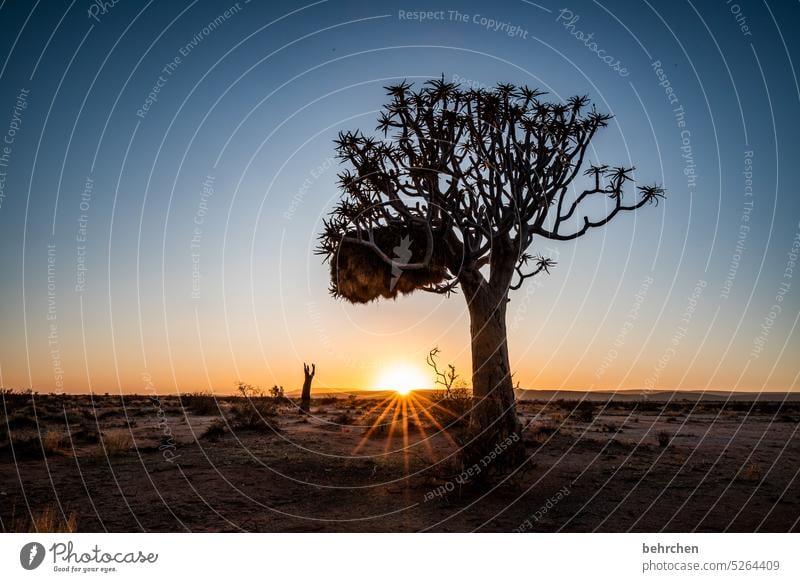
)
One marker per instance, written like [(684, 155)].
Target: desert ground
[(384, 462)]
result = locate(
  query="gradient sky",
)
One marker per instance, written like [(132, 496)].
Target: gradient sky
[(201, 212)]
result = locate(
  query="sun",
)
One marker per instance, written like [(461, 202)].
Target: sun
[(402, 378)]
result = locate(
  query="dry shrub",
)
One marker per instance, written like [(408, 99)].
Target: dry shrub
[(116, 443), (200, 403), (360, 275), (277, 392), (541, 432), (664, 438), (610, 427), (22, 420), (215, 431), (752, 473), (110, 414), (450, 408), (253, 408), (49, 414), (253, 413), (86, 433), (628, 444), (343, 418), (25, 447), (53, 441), (584, 411)]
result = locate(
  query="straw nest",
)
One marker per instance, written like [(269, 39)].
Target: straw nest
[(359, 275)]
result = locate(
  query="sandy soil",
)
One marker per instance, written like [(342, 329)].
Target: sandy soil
[(75, 463)]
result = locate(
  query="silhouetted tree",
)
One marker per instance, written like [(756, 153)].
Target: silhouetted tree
[(444, 378), (305, 395), (454, 195)]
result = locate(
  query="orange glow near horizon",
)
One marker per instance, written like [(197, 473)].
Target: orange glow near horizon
[(402, 378)]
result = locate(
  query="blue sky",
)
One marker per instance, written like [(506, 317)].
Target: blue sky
[(206, 195)]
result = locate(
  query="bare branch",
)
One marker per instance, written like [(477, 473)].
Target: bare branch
[(543, 264), (444, 378), (484, 171)]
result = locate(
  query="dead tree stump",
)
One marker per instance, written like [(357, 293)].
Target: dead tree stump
[(305, 395)]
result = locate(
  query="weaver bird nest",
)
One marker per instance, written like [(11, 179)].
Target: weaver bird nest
[(359, 274)]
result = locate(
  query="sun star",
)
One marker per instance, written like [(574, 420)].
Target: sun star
[(402, 378)]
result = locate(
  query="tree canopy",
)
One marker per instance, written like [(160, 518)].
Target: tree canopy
[(476, 174)]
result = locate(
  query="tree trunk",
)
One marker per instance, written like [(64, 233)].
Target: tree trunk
[(495, 431), (305, 395)]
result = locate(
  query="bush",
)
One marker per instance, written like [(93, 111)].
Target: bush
[(664, 438), (252, 410), (112, 413), (450, 409), (253, 413), (53, 441), (541, 432), (752, 473), (25, 448), (215, 431), (116, 443), (277, 392), (86, 433), (200, 403), (343, 418), (584, 411), (21, 421)]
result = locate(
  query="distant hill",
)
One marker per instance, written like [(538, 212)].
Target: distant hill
[(657, 395), (525, 394), (344, 393)]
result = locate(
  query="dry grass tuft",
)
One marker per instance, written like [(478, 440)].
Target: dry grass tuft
[(541, 432), (752, 473), (49, 520), (53, 441), (115, 443)]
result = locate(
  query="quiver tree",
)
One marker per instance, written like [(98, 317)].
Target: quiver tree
[(305, 395), (454, 195)]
